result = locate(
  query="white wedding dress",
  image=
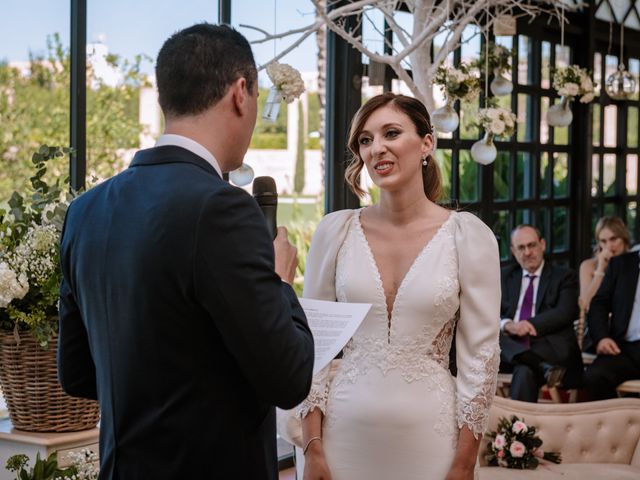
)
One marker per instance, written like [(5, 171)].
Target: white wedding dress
[(393, 409)]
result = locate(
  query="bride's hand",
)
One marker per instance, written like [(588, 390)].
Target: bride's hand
[(315, 463), (459, 472)]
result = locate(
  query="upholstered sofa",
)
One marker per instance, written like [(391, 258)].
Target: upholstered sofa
[(597, 440)]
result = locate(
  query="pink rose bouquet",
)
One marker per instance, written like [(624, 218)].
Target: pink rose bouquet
[(516, 445)]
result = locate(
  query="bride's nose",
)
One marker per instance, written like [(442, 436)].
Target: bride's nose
[(378, 145)]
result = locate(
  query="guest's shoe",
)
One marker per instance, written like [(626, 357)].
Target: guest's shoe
[(553, 374)]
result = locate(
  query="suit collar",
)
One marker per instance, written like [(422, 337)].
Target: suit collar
[(170, 154)]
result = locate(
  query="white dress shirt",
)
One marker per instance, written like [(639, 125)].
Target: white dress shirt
[(633, 330), (192, 146), (523, 288)]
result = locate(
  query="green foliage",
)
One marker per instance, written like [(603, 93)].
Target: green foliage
[(29, 257), (34, 110), (500, 58), (46, 469), (298, 177), (313, 121)]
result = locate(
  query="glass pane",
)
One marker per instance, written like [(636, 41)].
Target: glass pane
[(632, 174), (595, 216), (560, 174), (501, 231), (545, 67), (468, 176), (597, 73), (471, 43), (609, 209), (560, 229), (634, 69), (523, 216), (563, 56), (632, 212), (501, 175), (610, 66), (610, 125), (595, 175), (524, 60), (561, 134), (525, 125), (507, 42), (468, 115), (632, 127), (544, 126), (609, 174), (443, 157), (596, 124), (545, 177), (524, 176), (34, 98), (542, 222)]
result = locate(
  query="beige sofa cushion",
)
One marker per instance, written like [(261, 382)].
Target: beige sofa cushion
[(596, 439)]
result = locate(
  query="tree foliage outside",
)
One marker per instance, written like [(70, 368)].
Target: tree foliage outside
[(299, 174), (34, 110)]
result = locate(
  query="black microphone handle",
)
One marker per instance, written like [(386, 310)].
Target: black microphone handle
[(270, 214)]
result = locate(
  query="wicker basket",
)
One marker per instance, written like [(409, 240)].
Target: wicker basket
[(35, 400)]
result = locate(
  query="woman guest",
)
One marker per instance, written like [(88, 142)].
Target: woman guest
[(393, 409), (612, 239)]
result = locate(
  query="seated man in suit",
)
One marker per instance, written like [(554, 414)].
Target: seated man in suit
[(617, 340), (539, 305)]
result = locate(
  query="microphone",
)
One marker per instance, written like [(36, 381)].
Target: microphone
[(265, 193)]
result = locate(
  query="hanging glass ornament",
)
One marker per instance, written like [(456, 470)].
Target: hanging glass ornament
[(446, 119), (242, 176), (500, 86), (272, 105), (621, 84), (484, 151), (559, 114)]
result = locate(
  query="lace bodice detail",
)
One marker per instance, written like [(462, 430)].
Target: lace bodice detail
[(428, 309)]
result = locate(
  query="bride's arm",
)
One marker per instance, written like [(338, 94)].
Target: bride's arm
[(465, 458), (315, 463)]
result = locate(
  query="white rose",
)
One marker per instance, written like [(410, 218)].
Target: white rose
[(499, 442), (517, 449), (519, 427), (586, 98), (572, 89), (497, 126)]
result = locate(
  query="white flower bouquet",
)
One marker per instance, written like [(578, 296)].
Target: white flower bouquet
[(287, 80), (457, 83), (497, 121), (573, 81), (516, 445), (29, 257)]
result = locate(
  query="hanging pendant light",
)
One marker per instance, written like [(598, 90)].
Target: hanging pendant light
[(621, 84), (242, 176)]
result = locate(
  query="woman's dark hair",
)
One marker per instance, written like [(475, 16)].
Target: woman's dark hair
[(196, 66), (419, 116)]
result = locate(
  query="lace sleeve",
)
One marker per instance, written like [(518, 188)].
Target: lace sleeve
[(477, 347), (318, 394)]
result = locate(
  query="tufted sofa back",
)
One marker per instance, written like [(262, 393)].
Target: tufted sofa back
[(606, 431)]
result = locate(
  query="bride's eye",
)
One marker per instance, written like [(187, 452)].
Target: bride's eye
[(392, 133), (364, 140)]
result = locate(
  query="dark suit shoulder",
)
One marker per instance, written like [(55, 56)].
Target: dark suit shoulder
[(510, 269), (560, 271), (624, 260)]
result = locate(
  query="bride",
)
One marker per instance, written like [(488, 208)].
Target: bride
[(393, 409)]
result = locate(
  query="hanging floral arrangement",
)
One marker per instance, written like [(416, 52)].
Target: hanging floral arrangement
[(496, 122), (498, 61), (460, 83), (570, 82)]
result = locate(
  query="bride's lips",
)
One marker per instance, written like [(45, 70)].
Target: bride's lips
[(383, 167)]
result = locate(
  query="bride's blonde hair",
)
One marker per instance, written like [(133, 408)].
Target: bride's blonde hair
[(417, 113)]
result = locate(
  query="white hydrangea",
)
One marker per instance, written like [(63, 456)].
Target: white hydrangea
[(12, 285), (35, 256), (574, 81), (287, 80), (497, 120)]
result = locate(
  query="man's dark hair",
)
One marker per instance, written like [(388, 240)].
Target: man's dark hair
[(196, 66)]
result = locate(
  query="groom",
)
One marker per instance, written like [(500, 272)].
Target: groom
[(174, 312)]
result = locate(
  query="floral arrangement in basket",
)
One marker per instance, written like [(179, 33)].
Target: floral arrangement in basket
[(287, 80), (516, 445), (29, 258), (498, 121), (83, 467), (573, 81), (457, 83)]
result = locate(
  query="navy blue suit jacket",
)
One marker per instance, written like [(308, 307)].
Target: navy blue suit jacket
[(615, 296), (171, 316)]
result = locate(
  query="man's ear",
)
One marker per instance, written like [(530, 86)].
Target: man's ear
[(240, 95)]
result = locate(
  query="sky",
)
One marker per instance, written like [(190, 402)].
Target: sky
[(130, 27)]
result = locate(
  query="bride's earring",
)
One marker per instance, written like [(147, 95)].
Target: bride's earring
[(425, 162)]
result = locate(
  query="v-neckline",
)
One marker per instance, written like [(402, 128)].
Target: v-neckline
[(380, 285)]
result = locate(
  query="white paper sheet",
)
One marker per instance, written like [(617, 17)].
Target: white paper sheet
[(332, 325)]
